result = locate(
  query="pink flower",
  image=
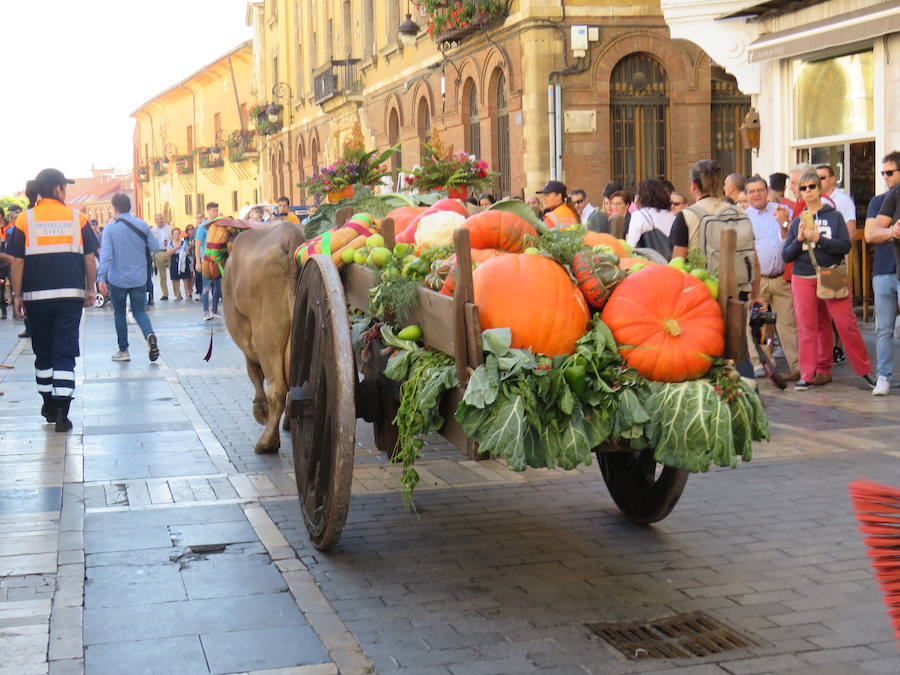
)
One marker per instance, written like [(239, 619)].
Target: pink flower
[(482, 165)]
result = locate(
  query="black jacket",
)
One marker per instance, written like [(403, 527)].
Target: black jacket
[(830, 250)]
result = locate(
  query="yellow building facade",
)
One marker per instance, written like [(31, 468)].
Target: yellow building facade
[(583, 91), (193, 144)]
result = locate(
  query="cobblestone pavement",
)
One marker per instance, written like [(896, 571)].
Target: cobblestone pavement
[(153, 539)]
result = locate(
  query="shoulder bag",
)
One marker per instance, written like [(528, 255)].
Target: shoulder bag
[(143, 235), (832, 281)]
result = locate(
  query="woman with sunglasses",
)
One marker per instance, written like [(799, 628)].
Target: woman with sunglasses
[(822, 229)]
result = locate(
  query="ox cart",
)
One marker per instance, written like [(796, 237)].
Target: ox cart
[(331, 386)]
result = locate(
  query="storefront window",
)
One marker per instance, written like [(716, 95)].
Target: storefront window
[(833, 97)]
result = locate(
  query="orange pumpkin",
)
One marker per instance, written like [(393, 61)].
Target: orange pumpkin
[(479, 255), (498, 229), (601, 239), (403, 216), (627, 262), (666, 323), (534, 297)]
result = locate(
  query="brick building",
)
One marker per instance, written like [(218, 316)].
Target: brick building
[(578, 90)]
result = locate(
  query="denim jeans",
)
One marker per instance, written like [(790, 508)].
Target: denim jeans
[(136, 296), (212, 287), (885, 288)]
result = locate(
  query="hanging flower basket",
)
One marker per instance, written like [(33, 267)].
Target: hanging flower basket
[(143, 174), (451, 21)]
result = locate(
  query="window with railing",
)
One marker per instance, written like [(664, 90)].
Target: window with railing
[(393, 139), (639, 114), (727, 111), (340, 79)]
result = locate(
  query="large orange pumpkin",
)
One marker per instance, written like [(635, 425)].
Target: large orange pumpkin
[(666, 323), (403, 216), (603, 239), (498, 229), (534, 297)]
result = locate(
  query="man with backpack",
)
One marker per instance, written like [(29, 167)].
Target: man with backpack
[(128, 244)]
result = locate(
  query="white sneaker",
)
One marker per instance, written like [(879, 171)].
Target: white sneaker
[(882, 387), (121, 356), (207, 316), (218, 315)]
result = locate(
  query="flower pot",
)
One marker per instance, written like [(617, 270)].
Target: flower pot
[(460, 192), (337, 195)]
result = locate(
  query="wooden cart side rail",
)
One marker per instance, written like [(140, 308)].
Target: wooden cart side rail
[(734, 310)]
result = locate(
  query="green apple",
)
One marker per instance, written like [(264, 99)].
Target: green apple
[(700, 273), (637, 267), (679, 263), (402, 250), (347, 255), (361, 256), (532, 250), (713, 287), (380, 256), (375, 241)]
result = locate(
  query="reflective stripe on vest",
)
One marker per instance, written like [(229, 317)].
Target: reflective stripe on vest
[(53, 236), (53, 294)]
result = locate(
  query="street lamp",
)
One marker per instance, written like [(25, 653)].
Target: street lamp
[(408, 30)]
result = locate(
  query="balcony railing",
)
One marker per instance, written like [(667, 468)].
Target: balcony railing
[(341, 79)]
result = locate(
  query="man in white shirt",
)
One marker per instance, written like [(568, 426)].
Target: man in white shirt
[(770, 225), (841, 201), (162, 230)]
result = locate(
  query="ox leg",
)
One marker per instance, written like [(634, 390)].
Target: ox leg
[(260, 404), (276, 395)]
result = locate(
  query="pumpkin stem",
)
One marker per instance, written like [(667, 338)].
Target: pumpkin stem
[(671, 327)]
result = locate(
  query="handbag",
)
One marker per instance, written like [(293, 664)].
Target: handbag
[(832, 282)]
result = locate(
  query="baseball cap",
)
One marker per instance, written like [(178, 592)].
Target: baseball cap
[(14, 208), (53, 177), (554, 186)]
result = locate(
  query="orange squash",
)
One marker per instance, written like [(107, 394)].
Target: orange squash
[(534, 297), (404, 216), (498, 229), (627, 262), (601, 239), (666, 323)]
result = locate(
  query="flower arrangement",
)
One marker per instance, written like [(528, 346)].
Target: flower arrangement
[(239, 142), (447, 15), (184, 164), (444, 169), (356, 166), (267, 117), (210, 158), (143, 174)]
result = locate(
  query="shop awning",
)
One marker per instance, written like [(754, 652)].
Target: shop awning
[(844, 29)]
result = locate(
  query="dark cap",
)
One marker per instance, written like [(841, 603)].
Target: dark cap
[(554, 186), (13, 208), (52, 177)]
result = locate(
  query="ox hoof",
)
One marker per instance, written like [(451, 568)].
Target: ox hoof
[(261, 410), (266, 448)]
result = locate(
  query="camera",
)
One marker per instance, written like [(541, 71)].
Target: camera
[(759, 318)]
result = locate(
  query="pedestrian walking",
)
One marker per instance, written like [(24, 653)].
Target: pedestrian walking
[(128, 243), (179, 268), (53, 274), (162, 231), (212, 288)]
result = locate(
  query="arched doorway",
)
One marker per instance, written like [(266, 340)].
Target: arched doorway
[(314, 160), (639, 115), (423, 124), (501, 135), (471, 123), (279, 175), (394, 139)]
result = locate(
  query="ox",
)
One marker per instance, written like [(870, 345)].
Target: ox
[(258, 288)]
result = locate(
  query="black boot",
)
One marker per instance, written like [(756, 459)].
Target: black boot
[(48, 410), (3, 312), (63, 423)]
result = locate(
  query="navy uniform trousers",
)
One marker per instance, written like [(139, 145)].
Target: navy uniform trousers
[(54, 339)]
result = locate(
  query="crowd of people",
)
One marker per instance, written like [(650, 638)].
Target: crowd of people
[(797, 244)]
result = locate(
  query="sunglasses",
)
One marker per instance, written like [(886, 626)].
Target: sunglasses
[(804, 188), (676, 203), (576, 202), (889, 173)]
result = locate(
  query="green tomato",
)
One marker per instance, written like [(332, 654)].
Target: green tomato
[(361, 255), (347, 255), (403, 250), (678, 263), (700, 273), (375, 241), (713, 287), (531, 250)]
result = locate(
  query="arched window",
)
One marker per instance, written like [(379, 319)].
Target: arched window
[(301, 169), (501, 137), (472, 124), (729, 106), (394, 139), (423, 123), (639, 114)]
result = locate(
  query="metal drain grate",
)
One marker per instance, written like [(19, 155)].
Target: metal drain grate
[(683, 636)]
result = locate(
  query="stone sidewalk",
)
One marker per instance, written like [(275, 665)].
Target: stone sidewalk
[(153, 539)]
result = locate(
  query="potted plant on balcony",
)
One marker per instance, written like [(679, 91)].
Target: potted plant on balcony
[(211, 157), (184, 164), (143, 174), (159, 169), (356, 166), (240, 144), (443, 169), (452, 20)]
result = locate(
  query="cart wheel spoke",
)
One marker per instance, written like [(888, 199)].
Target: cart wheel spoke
[(322, 367)]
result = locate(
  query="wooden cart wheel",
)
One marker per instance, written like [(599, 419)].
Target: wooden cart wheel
[(322, 406), (645, 491)]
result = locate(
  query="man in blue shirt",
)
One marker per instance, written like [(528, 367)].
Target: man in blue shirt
[(770, 225), (128, 243), (884, 278), (212, 288)]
